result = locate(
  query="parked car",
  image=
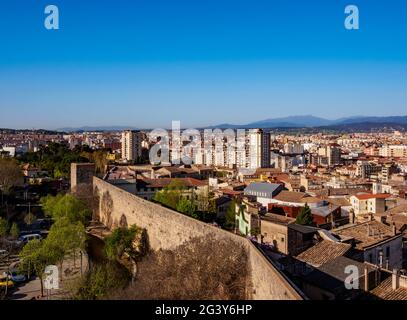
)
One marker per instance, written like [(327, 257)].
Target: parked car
[(26, 238), (14, 276), (3, 254), (6, 283)]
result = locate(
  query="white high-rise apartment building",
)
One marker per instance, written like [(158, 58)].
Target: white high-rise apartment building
[(258, 143), (396, 151), (131, 145), (254, 149)]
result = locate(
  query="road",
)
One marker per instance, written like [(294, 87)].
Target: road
[(32, 289)]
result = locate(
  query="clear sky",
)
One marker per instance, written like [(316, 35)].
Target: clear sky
[(146, 62)]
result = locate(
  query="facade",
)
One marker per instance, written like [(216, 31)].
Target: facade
[(394, 151), (248, 217), (131, 145), (274, 231), (258, 150), (368, 203), (333, 154)]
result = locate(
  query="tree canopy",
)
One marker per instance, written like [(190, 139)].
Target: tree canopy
[(170, 195), (56, 158), (129, 241), (186, 206), (66, 236), (66, 206), (230, 217), (35, 256), (10, 174), (14, 231), (304, 217)]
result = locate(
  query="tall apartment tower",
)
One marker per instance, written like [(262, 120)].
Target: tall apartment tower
[(258, 155), (131, 145), (333, 153), (265, 150)]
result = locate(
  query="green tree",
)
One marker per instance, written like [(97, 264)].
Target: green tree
[(14, 231), (66, 206), (126, 241), (230, 217), (35, 256), (171, 194), (3, 227), (186, 206), (10, 176), (101, 280), (304, 217), (55, 158), (29, 219), (66, 237)]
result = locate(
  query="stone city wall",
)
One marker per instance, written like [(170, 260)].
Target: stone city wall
[(168, 229)]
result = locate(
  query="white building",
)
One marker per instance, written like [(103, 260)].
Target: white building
[(131, 145)]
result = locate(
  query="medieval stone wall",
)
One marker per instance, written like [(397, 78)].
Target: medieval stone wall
[(168, 229)]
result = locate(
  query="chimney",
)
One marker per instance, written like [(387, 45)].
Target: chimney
[(395, 280), (394, 229), (366, 279), (351, 216)]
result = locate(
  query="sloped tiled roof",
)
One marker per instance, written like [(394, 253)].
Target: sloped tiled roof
[(372, 196), (290, 196), (366, 234), (384, 291), (323, 252)]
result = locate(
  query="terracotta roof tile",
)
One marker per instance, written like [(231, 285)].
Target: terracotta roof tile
[(323, 252)]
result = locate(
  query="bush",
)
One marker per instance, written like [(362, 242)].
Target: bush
[(202, 269), (129, 241), (100, 280)]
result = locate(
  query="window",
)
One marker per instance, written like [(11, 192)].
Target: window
[(370, 258), (387, 252)]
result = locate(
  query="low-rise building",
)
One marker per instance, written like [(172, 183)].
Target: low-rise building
[(263, 191), (274, 231), (373, 242)]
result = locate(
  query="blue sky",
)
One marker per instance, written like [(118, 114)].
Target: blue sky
[(147, 62)]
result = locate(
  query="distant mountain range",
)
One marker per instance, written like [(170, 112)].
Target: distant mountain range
[(309, 121), (94, 129), (306, 121)]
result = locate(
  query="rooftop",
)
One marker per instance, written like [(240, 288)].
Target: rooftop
[(163, 182), (267, 190), (338, 201), (290, 196), (324, 211), (372, 196), (385, 291), (323, 252), (366, 234), (279, 219)]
